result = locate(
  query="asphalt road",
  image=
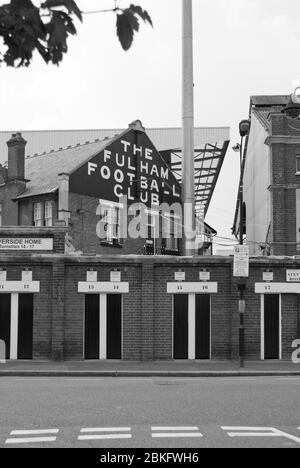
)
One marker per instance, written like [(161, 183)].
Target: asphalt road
[(150, 412)]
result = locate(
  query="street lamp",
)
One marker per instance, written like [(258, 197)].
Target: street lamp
[(244, 128)]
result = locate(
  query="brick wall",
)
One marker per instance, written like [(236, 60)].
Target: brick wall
[(9, 207), (82, 229), (284, 141), (147, 325)]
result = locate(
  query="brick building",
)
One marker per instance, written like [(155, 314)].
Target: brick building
[(65, 294), (58, 306), (81, 185), (271, 184)]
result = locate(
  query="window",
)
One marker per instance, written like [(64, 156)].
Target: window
[(38, 214), (110, 218), (171, 232), (43, 213), (298, 163), (48, 213)]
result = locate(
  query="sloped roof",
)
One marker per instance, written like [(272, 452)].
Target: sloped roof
[(42, 170), (261, 106), (262, 114)]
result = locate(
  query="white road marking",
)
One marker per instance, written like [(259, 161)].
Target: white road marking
[(115, 433), (105, 429), (177, 431), (38, 431), (244, 431), (176, 434), (174, 428), (104, 436), (30, 440)]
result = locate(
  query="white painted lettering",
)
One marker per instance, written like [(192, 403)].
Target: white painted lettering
[(118, 191), (91, 168), (164, 173), (107, 155), (120, 160), (105, 172), (119, 176), (137, 149), (148, 153), (144, 167), (126, 145)]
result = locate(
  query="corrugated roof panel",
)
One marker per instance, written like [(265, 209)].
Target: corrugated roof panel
[(39, 141), (280, 100)]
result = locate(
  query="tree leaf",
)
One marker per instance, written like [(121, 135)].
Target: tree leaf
[(70, 5), (125, 30), (143, 14)]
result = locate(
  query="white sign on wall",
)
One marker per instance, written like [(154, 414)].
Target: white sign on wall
[(277, 288), (91, 275), (115, 276), (20, 286), (27, 275), (102, 287), (241, 261), (293, 276), (204, 275), (3, 275), (26, 243), (200, 287), (268, 276), (179, 275)]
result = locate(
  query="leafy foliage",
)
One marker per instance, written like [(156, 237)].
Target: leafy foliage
[(26, 28), (128, 23)]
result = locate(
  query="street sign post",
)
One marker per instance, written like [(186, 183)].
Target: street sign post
[(241, 270), (241, 261)]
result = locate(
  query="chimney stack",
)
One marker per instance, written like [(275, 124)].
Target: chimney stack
[(16, 157)]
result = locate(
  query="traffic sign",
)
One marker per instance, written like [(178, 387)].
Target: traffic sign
[(241, 261)]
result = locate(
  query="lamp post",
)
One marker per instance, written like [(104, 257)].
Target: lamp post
[(244, 128), (188, 191)]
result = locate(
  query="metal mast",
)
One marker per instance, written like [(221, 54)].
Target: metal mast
[(188, 190)]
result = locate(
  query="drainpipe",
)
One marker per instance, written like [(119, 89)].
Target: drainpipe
[(63, 198)]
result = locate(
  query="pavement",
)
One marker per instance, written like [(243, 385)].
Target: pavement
[(149, 412), (148, 368)]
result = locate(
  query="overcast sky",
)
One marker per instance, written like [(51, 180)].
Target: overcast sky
[(241, 47)]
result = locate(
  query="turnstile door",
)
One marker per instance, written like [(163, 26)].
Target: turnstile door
[(91, 329), (202, 326), (271, 325), (25, 326), (180, 326), (113, 323), (5, 322)]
